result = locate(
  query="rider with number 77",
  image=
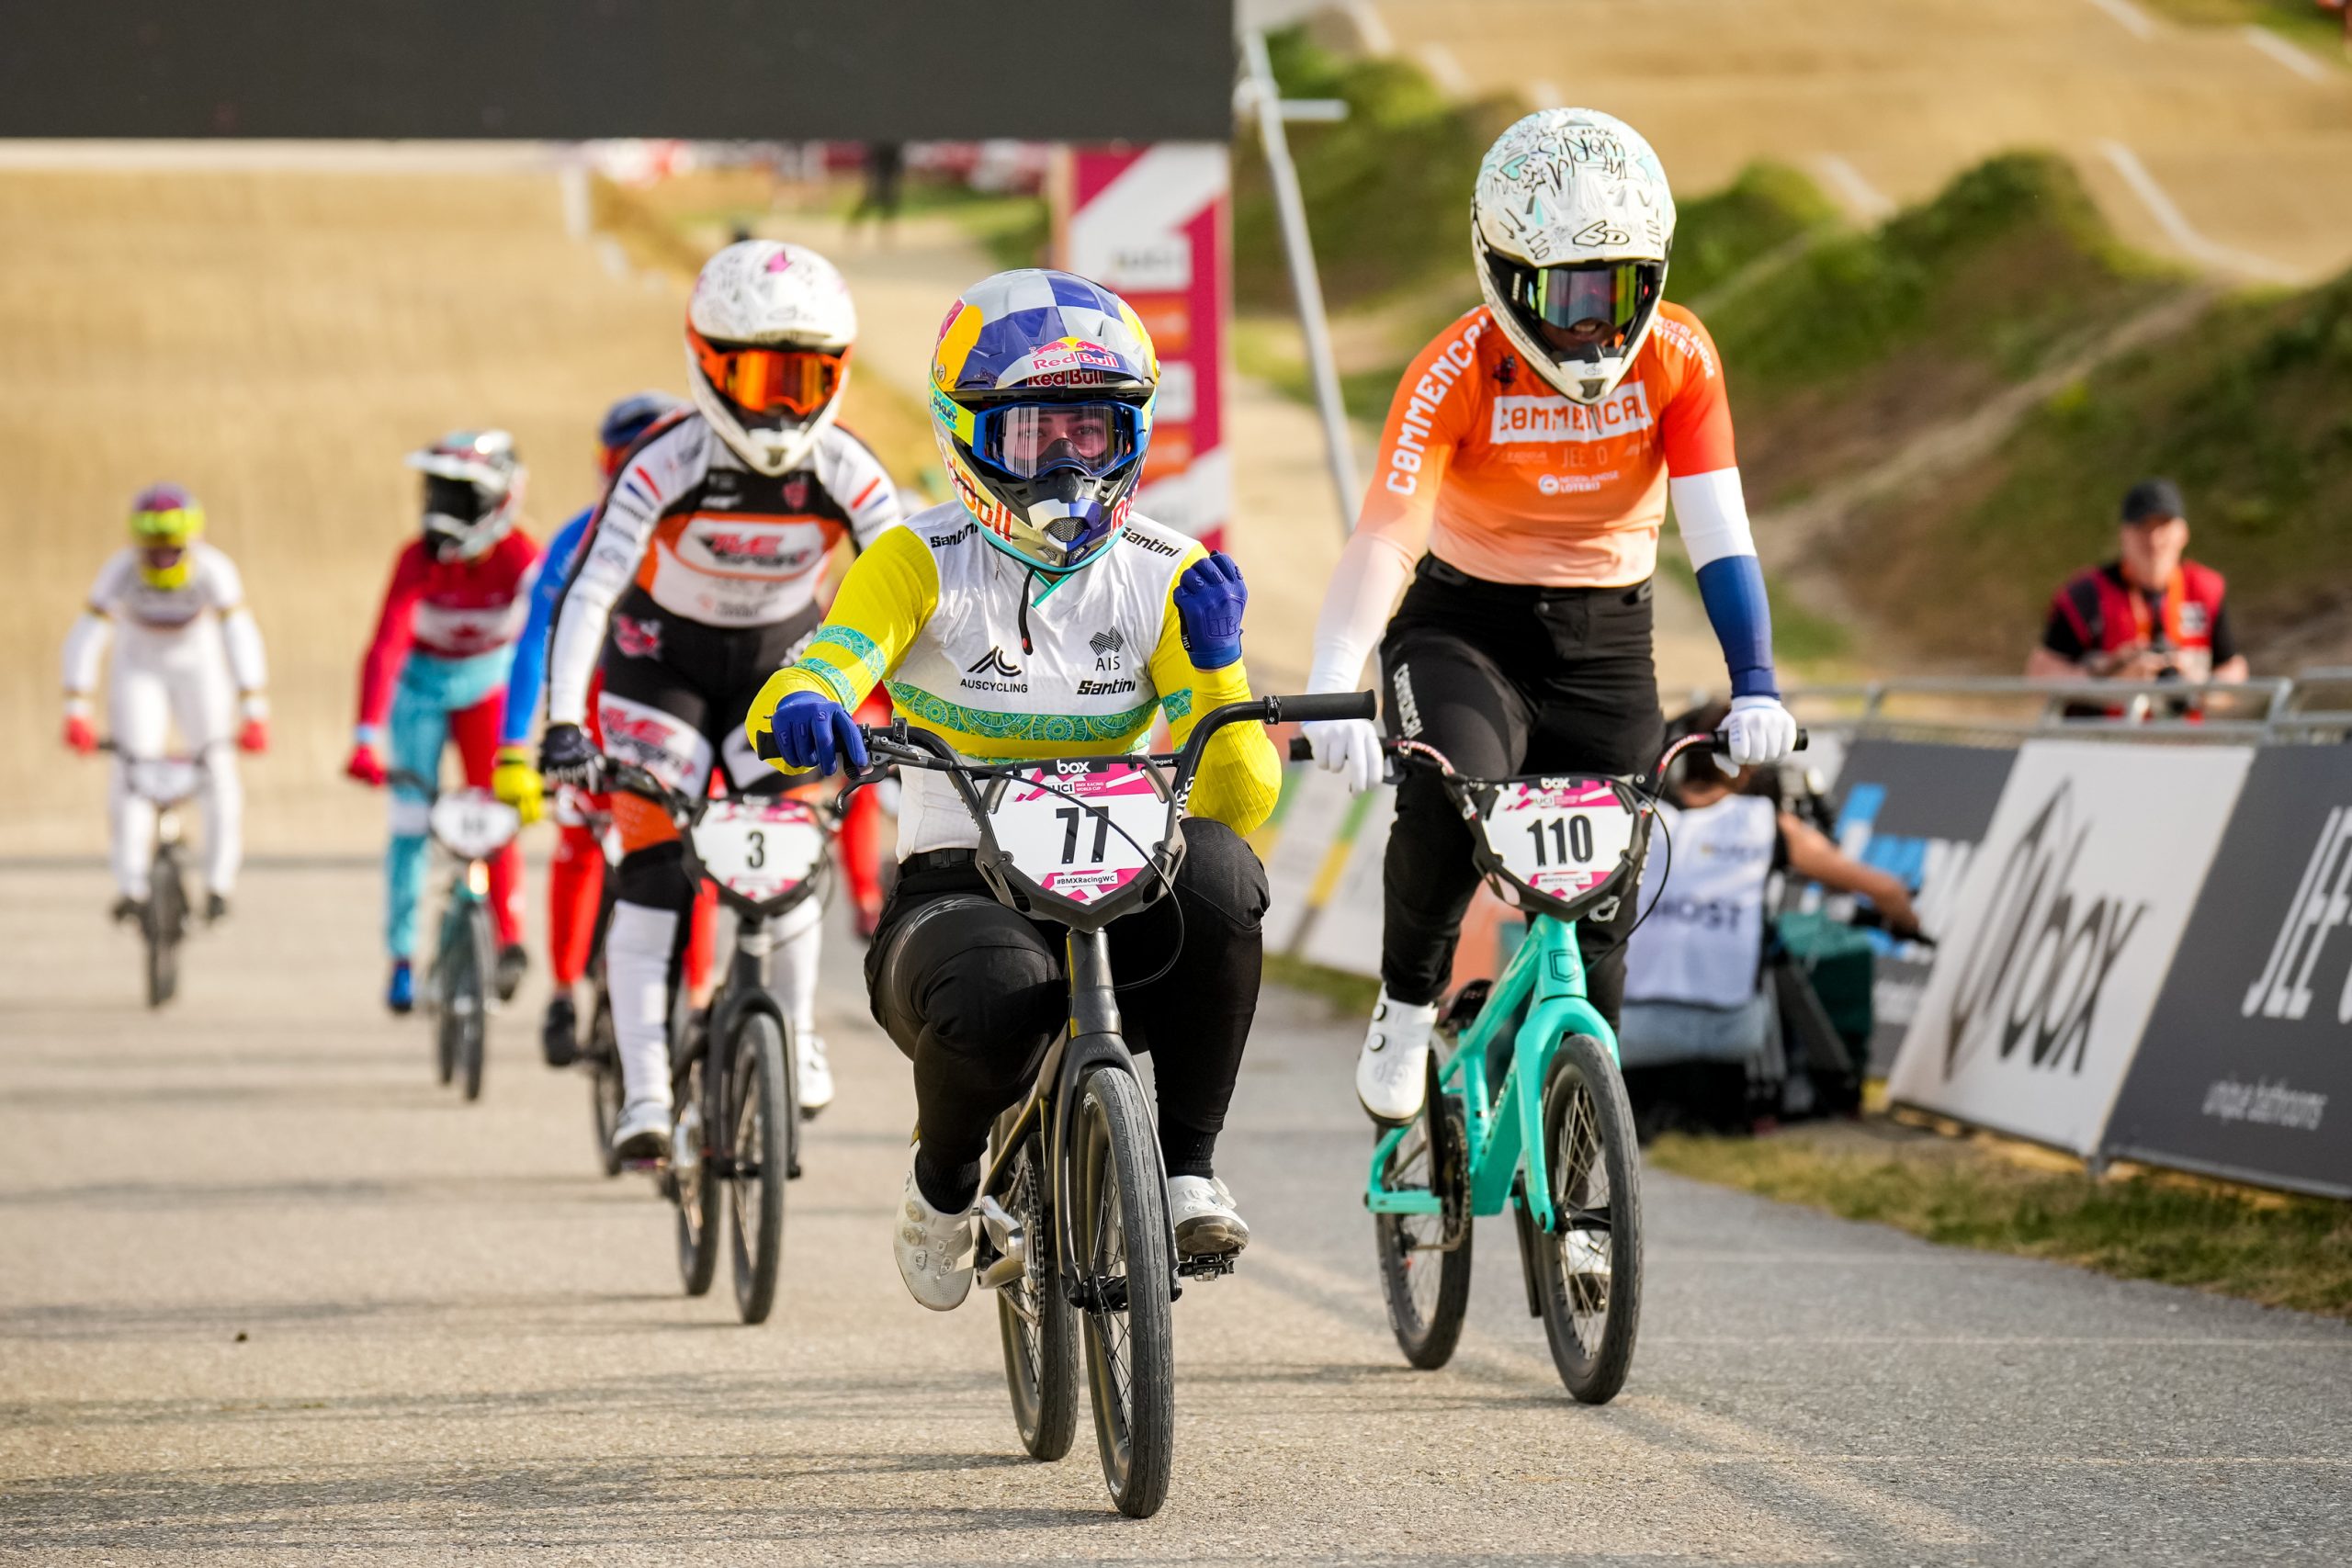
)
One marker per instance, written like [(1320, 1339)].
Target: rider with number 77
[(1037, 616), (1529, 457)]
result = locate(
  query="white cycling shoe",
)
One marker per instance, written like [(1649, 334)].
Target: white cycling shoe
[(1392, 1072), (935, 1250), (816, 1073), (643, 1131), (1201, 1212)]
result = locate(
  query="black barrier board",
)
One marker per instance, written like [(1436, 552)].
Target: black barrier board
[(2245, 1069), (575, 70), (1919, 810)]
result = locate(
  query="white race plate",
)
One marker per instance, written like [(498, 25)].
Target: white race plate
[(759, 848), (164, 780), (1082, 827), (473, 824), (1563, 837)]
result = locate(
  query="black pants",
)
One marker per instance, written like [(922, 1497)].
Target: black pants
[(974, 993), (1505, 680)]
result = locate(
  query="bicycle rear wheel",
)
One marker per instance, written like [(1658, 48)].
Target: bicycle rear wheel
[(604, 1081), (166, 923), (761, 1113), (1035, 1319), (1123, 1245), (694, 1184), (1425, 1258), (1589, 1268)]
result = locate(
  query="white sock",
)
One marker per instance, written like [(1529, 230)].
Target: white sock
[(636, 973)]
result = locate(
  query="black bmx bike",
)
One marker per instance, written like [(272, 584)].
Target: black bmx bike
[(470, 825), (735, 1138), (1075, 1236), (166, 784)]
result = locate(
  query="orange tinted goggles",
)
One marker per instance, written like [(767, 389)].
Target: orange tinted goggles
[(796, 381)]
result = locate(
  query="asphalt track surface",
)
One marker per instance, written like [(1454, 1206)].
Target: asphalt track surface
[(268, 1295)]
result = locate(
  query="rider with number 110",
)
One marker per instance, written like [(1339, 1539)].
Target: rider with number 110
[(1036, 617), (1525, 468)]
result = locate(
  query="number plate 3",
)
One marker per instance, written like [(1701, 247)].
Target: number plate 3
[(1081, 828), (759, 849)]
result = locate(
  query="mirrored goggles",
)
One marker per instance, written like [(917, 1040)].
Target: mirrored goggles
[(798, 382), (1026, 439), (1611, 294)]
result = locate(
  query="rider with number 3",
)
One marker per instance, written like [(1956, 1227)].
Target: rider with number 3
[(1037, 617), (700, 576), (1528, 460)]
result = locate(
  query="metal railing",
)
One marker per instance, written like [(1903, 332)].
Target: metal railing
[(2005, 711)]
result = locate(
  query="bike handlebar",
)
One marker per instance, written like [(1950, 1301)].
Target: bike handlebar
[(1303, 750)]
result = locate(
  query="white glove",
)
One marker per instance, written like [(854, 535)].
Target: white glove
[(1759, 730), (1348, 746)]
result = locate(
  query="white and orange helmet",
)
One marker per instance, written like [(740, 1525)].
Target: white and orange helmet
[(768, 334)]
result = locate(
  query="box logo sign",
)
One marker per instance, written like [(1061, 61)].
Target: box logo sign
[(2063, 931)]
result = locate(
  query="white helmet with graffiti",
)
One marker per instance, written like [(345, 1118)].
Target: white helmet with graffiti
[(1572, 225), (768, 336)]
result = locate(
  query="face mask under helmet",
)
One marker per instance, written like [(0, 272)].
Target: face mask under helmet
[(1042, 385)]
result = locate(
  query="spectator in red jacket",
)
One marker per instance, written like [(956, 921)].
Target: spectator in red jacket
[(2150, 615)]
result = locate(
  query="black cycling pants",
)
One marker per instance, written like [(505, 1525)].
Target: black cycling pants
[(1505, 678), (974, 994)]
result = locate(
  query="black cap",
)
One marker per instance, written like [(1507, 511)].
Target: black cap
[(2151, 499)]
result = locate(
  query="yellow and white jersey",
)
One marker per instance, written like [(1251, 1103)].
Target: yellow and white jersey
[(1005, 662)]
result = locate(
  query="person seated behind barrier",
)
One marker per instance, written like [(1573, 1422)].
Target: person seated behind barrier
[(1697, 1013), (2149, 614)]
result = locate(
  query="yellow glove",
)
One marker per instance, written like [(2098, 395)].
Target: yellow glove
[(516, 780)]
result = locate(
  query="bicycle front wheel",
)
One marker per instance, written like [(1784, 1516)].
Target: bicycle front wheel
[(1123, 1245), (1034, 1317), (761, 1113), (473, 1042), (1589, 1266), (166, 921), (1425, 1258)]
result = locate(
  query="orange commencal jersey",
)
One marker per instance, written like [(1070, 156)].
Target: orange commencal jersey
[(1486, 466)]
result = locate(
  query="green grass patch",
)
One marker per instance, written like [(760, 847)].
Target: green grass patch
[(2287, 1252), (1349, 995), (2305, 23), (1720, 234), (2247, 410)]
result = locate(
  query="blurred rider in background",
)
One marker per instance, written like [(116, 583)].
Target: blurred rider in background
[(576, 871), (700, 576), (1524, 472), (437, 670), (188, 647)]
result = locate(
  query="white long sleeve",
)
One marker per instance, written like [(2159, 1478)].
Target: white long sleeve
[(1711, 514), (85, 649), (241, 636), (1372, 571)]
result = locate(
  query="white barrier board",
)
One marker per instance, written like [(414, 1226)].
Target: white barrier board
[(1346, 930), (1314, 808), (2063, 932)]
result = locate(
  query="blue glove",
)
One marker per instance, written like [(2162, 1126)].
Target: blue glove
[(1209, 601), (808, 731)]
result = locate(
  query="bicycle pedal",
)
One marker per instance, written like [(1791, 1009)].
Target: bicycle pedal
[(1208, 1265)]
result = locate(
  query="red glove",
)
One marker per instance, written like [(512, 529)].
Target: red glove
[(366, 766), (79, 735), (254, 736)]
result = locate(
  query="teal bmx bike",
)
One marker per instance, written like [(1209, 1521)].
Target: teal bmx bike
[(1527, 1109)]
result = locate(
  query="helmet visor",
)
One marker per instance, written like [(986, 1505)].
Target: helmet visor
[(175, 526), (1026, 439), (461, 501), (1590, 305), (795, 383)]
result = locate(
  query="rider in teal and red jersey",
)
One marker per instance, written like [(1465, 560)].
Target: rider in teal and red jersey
[(437, 670)]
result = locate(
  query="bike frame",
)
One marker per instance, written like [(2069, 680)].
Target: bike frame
[(1545, 980)]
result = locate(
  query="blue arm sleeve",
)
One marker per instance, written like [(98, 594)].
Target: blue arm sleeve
[(1733, 590), (530, 668)]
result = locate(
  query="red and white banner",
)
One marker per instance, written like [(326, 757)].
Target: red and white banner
[(1151, 222)]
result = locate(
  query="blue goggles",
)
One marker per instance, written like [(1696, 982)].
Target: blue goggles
[(1026, 440)]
